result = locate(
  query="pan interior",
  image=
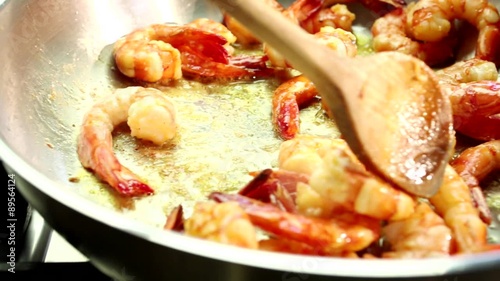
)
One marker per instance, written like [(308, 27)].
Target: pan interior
[(57, 63)]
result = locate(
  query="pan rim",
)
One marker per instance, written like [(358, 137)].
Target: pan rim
[(287, 263)]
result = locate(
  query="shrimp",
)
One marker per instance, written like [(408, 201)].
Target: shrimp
[(454, 204), (319, 176), (475, 104), (343, 233), (212, 26), (339, 182), (294, 247), (423, 234), (297, 91), (470, 70), (151, 116), (161, 53), (389, 34), (341, 41), (224, 223), (149, 53), (278, 187), (476, 109), (287, 99), (337, 16), (432, 20), (473, 165), (175, 220)]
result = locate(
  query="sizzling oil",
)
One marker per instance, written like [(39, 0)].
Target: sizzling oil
[(224, 132)]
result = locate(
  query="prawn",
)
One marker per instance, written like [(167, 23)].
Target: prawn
[(474, 95), (341, 41), (287, 99), (473, 165), (150, 115), (318, 177), (278, 187), (161, 53), (470, 70), (389, 34), (432, 20), (344, 233), (423, 234), (454, 204), (337, 16), (222, 222), (337, 180), (214, 27), (284, 245), (297, 91)]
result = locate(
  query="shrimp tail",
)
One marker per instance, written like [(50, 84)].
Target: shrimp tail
[(287, 99), (175, 220), (124, 181), (278, 187), (201, 43), (476, 110), (481, 205)]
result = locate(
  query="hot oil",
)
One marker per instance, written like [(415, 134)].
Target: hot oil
[(224, 132)]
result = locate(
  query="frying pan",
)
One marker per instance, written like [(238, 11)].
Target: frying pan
[(55, 57)]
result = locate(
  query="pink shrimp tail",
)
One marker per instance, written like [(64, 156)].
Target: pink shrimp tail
[(134, 188), (202, 43), (108, 168)]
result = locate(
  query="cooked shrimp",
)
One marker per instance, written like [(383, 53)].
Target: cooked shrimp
[(339, 181), (475, 107), (470, 70), (343, 233), (151, 116), (473, 165), (297, 91), (475, 98), (216, 28), (423, 234), (337, 16), (160, 53), (150, 53), (341, 41), (175, 220), (278, 187), (453, 202), (294, 247), (432, 20), (389, 34), (224, 223), (287, 99)]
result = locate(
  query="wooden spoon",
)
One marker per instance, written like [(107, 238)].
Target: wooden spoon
[(388, 106)]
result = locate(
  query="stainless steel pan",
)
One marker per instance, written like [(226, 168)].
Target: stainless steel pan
[(55, 59)]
